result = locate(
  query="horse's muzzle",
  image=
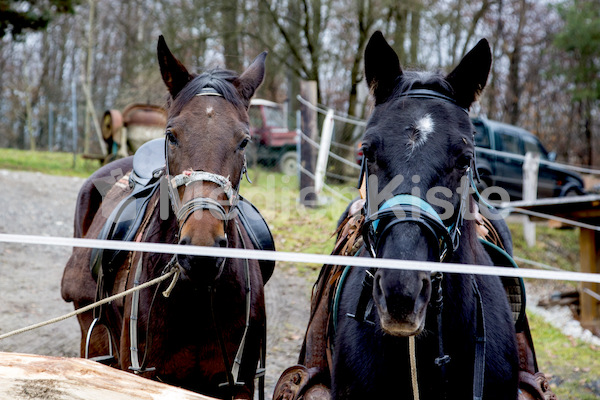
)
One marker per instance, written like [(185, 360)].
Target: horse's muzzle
[(202, 268), (402, 308)]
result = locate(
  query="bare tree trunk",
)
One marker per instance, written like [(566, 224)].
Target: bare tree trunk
[(29, 123), (365, 23), (88, 73), (415, 33), (515, 87), (588, 132), (492, 89), (308, 196), (230, 34), (293, 80), (401, 19)]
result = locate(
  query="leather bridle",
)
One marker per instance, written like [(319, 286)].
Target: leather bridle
[(217, 209), (409, 208)]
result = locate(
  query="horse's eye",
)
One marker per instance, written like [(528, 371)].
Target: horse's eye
[(171, 137), (244, 143), (367, 151), (463, 162)]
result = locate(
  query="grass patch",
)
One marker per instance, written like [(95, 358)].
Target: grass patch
[(53, 163), (295, 228), (556, 247), (571, 365)]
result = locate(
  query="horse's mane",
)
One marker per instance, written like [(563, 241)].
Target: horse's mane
[(423, 80), (221, 80)]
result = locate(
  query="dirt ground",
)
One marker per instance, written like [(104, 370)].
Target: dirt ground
[(38, 204)]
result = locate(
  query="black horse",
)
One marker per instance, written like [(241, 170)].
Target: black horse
[(418, 146)]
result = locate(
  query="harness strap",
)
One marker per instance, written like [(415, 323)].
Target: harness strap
[(237, 362), (230, 380), (480, 342), (133, 317), (437, 303), (200, 204), (233, 371), (431, 94)]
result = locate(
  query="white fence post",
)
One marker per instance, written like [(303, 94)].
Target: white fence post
[(530, 183), (324, 147)]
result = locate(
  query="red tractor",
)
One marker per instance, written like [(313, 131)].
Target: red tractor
[(273, 144)]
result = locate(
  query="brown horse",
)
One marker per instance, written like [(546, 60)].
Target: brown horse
[(208, 335)]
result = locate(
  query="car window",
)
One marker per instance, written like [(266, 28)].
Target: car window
[(533, 146), (482, 139), (508, 142)]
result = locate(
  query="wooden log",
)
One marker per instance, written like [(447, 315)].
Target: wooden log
[(28, 376)]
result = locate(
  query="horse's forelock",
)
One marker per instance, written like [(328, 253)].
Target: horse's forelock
[(423, 80), (221, 80)]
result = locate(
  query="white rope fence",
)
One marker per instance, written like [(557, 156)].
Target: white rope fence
[(514, 156), (274, 256), (326, 186), (554, 218), (332, 155), (337, 117), (308, 258)]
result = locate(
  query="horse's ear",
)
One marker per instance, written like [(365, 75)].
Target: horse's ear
[(174, 73), (470, 76), (251, 78), (382, 67)]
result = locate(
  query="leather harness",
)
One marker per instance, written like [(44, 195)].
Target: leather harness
[(370, 228), (129, 218)]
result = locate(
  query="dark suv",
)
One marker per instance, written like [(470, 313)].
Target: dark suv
[(506, 171)]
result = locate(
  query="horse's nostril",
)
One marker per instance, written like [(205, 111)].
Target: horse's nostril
[(425, 289), (378, 293), (221, 242), (185, 240)]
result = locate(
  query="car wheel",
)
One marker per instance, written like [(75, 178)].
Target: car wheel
[(572, 193), (484, 183), (288, 163)]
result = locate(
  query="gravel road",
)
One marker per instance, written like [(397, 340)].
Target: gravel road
[(38, 204)]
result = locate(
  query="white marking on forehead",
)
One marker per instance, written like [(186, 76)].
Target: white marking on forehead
[(420, 133), (425, 126), (209, 111)]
